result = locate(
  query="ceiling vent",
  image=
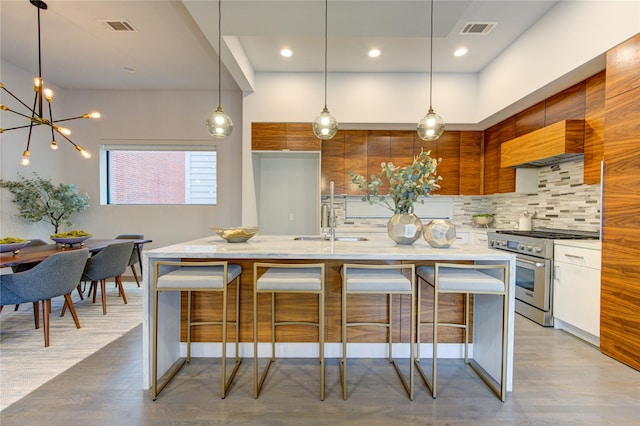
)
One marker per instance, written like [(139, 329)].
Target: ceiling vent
[(478, 28), (119, 26)]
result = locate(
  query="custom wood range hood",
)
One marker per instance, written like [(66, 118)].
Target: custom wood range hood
[(553, 144)]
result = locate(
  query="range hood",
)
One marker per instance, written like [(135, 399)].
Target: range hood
[(553, 144)]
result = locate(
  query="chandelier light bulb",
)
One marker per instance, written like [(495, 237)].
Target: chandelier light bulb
[(25, 159), (94, 114), (54, 144), (48, 95), (62, 130)]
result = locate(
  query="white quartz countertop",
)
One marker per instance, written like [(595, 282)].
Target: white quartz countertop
[(285, 247)]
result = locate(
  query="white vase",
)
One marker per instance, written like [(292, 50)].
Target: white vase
[(404, 228), (440, 233)]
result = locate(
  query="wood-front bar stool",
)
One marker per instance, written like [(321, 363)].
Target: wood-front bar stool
[(200, 277), (303, 278), (360, 279), (465, 279)]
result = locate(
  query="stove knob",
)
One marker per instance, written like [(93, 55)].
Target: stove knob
[(529, 248), (503, 243), (520, 246), (537, 249)]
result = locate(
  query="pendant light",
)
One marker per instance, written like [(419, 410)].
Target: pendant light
[(219, 124), (36, 114), (431, 126), (325, 126)]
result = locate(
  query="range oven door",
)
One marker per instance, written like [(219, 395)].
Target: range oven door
[(533, 281)]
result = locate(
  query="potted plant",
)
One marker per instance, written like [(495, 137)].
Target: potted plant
[(406, 185), (39, 199)]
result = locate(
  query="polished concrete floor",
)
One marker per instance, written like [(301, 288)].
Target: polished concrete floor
[(558, 380)]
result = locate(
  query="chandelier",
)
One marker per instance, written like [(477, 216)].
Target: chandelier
[(35, 114)]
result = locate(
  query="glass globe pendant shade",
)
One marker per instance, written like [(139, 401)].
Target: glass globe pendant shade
[(431, 126), (325, 126), (219, 124)]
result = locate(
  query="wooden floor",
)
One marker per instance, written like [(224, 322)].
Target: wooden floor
[(558, 380)]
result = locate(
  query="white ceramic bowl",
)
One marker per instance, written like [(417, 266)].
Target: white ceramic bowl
[(236, 235), (14, 247)]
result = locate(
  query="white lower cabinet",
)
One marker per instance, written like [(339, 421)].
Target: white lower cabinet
[(479, 238), (576, 289)]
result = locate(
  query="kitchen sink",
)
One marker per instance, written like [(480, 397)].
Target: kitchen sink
[(323, 238)]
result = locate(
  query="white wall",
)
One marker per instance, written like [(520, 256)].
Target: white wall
[(137, 116)]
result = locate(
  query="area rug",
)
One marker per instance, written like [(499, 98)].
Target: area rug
[(25, 364)]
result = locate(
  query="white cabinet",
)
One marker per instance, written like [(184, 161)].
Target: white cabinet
[(576, 289), (479, 238)]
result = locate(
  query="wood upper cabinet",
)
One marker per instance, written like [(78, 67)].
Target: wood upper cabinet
[(378, 152), (281, 136), (566, 105), (355, 157), (333, 164), (268, 136), (530, 119), (496, 178), (623, 67), (402, 152), (448, 149), (471, 165), (594, 128)]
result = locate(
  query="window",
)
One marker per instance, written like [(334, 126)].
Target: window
[(158, 174)]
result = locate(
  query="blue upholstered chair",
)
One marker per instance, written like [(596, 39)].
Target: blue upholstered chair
[(110, 262), (134, 254), (57, 275)]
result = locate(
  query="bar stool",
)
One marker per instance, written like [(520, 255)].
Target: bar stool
[(305, 278), (214, 276), (465, 279), (378, 279)]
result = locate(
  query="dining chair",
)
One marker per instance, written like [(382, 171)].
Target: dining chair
[(135, 254), (110, 262), (57, 275), (25, 267)]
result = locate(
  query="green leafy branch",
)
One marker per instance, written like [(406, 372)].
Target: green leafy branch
[(406, 183), (39, 199)]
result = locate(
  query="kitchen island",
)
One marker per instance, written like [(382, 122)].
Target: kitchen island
[(377, 249)]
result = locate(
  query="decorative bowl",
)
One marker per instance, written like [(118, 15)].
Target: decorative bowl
[(236, 235), (14, 247), (70, 240), (482, 219)]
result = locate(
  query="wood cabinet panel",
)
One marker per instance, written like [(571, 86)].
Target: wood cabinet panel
[(268, 136), (594, 128), (491, 161), (402, 147), (620, 298), (566, 105), (506, 176), (355, 157), (623, 67), (333, 164), (300, 137), (449, 150), (471, 163), (378, 151), (530, 119)]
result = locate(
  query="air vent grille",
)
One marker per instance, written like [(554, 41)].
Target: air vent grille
[(478, 28), (117, 25)]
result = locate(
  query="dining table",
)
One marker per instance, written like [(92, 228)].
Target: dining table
[(35, 254)]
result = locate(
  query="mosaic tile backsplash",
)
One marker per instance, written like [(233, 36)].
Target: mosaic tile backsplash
[(563, 201)]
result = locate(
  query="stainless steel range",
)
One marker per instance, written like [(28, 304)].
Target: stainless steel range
[(534, 267)]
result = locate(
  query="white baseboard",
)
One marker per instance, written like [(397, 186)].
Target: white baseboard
[(578, 332), (331, 350)]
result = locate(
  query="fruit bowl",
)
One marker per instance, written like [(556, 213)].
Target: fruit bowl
[(71, 237), (70, 240), (236, 235), (14, 247)]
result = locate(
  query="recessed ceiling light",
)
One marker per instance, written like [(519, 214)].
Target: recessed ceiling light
[(286, 53), (460, 52), (374, 53)]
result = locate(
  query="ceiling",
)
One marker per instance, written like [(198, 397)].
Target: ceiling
[(174, 44)]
